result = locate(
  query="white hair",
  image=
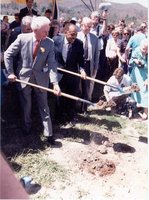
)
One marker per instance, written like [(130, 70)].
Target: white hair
[(144, 43), (95, 14), (39, 22), (26, 20), (86, 20)]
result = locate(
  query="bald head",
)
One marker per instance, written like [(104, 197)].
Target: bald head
[(71, 32), (70, 26)]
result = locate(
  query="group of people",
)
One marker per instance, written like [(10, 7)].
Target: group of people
[(40, 45)]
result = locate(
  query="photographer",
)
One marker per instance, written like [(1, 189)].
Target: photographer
[(99, 25)]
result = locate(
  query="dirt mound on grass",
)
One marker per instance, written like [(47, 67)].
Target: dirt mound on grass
[(98, 166)]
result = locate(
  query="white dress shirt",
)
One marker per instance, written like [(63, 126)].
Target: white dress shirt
[(82, 37)]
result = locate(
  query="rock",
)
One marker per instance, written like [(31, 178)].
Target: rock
[(103, 150)]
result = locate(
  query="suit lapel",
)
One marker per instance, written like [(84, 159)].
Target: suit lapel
[(61, 50), (31, 48)]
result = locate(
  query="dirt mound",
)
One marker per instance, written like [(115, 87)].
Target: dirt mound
[(98, 166)]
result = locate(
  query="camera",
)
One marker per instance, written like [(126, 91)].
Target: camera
[(104, 6)]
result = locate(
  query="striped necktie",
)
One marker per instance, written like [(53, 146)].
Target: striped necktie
[(86, 48)]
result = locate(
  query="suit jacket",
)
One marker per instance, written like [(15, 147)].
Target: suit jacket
[(94, 53), (43, 66), (14, 33), (75, 60), (24, 12)]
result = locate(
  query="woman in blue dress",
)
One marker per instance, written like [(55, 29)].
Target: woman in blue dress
[(139, 75)]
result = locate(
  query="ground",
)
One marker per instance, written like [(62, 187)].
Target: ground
[(101, 157)]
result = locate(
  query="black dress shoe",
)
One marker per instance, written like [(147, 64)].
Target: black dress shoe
[(26, 132), (51, 140)]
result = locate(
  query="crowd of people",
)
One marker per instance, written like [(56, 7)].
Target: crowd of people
[(35, 46)]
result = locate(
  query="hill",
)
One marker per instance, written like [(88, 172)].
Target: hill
[(134, 11), (130, 12)]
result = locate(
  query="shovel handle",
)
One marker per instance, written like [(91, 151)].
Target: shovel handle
[(51, 90)]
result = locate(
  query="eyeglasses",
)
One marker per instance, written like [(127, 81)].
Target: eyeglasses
[(114, 34), (125, 33)]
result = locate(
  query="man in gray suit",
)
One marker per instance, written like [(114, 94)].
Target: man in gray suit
[(36, 65), (91, 55)]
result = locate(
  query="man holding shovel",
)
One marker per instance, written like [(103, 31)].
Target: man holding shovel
[(36, 65)]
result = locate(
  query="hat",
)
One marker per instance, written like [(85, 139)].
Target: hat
[(74, 19)]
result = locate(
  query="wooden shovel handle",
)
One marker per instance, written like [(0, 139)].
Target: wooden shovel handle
[(51, 90), (87, 77)]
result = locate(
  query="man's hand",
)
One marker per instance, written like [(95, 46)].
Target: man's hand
[(12, 77), (83, 74), (57, 90), (104, 14)]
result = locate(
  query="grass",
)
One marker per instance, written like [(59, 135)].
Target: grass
[(141, 128), (41, 169), (29, 156)]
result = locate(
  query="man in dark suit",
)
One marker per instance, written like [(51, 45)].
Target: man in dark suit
[(28, 10), (25, 27), (16, 22), (37, 64), (69, 55)]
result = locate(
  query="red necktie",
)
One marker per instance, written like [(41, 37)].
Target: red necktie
[(36, 47)]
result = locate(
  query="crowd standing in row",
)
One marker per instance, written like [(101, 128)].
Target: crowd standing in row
[(35, 46)]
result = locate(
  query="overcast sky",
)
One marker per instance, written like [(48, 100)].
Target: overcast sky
[(142, 2)]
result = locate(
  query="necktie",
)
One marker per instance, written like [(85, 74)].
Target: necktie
[(86, 48), (69, 49), (30, 11), (35, 49)]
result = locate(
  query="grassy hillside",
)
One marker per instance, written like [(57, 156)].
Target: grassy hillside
[(133, 11)]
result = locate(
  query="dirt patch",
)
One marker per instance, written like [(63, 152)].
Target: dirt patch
[(98, 166), (97, 158)]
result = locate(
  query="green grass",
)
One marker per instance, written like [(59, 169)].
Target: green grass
[(29, 156), (141, 128), (39, 167)]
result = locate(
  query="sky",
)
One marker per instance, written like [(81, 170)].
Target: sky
[(142, 2)]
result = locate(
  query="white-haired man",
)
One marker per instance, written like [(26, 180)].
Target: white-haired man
[(91, 57), (37, 64)]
